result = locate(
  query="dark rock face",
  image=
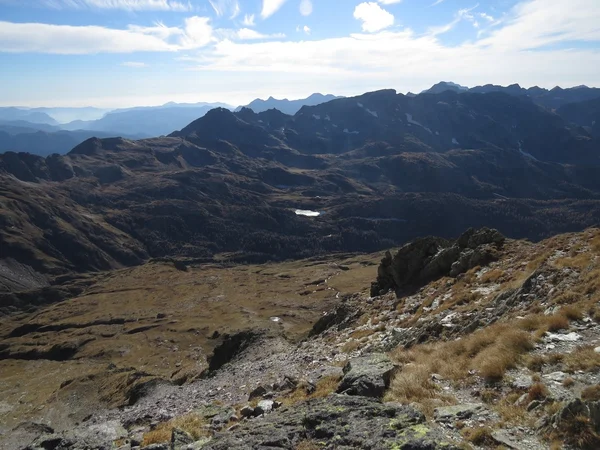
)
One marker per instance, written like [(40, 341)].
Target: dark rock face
[(231, 346), (339, 422), (342, 315), (426, 259), (368, 376)]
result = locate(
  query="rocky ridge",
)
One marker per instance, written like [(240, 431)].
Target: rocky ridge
[(502, 353)]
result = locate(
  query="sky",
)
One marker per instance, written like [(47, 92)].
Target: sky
[(121, 53)]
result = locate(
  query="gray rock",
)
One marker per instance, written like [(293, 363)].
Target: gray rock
[(263, 407), (257, 393), (157, 447), (429, 258), (180, 439), (597, 349), (559, 377), (457, 412), (502, 437), (247, 411), (535, 404), (367, 376), (339, 422)]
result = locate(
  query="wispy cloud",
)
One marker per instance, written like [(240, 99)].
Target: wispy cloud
[(373, 17), (129, 5), (230, 8), (270, 7), (249, 20), (437, 2)]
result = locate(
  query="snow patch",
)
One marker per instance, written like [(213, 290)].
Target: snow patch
[(373, 113), (316, 116), (360, 105), (327, 117), (350, 132), (524, 153), (307, 213), (454, 141), (410, 120)]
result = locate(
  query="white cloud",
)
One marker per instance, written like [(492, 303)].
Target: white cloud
[(129, 5), (487, 17), (231, 8), (437, 2), (270, 7), (305, 29), (249, 20), (390, 2), (373, 16), (134, 64), (249, 34), (306, 7)]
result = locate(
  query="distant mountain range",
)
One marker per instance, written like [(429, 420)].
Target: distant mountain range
[(39, 131), (374, 171), (286, 106), (548, 98)]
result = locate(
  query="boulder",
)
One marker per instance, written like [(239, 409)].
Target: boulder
[(337, 422), (180, 439), (247, 411), (367, 376), (429, 258), (264, 407), (457, 412)]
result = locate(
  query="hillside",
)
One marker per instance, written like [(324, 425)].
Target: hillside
[(379, 169), (498, 346)]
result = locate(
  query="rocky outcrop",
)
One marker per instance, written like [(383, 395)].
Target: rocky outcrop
[(367, 376), (336, 422), (429, 258)]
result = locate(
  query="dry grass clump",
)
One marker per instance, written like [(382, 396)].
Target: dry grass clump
[(583, 358), (324, 387), (557, 322), (568, 298), (591, 282), (351, 346), (359, 334), (568, 382), (490, 351), (190, 423), (537, 391), (578, 261), (492, 276), (591, 393), (535, 362), (571, 312), (481, 436)]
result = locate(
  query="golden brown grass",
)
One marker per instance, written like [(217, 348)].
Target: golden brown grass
[(571, 312), (190, 423), (492, 276), (351, 346), (325, 386), (577, 261), (359, 334), (583, 358), (481, 436), (568, 382), (591, 393), (557, 322), (537, 391)]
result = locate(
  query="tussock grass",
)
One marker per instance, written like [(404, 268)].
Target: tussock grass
[(307, 445), (190, 423), (571, 312), (492, 276), (324, 387), (591, 393), (481, 436), (537, 391), (577, 432), (583, 358)]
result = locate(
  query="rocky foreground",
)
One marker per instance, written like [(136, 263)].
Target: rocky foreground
[(481, 342)]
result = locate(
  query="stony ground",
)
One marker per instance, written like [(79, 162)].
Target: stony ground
[(504, 355)]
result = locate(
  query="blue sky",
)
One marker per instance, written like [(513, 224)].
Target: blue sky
[(118, 53)]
